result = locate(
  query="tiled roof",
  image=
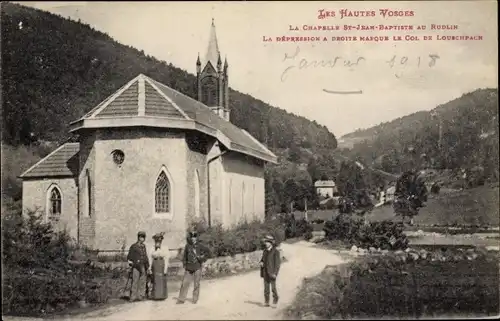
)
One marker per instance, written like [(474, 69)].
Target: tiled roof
[(203, 115), (123, 105), (62, 162), (146, 102), (156, 105)]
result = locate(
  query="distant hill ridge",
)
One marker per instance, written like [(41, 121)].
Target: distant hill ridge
[(446, 110), (461, 133)]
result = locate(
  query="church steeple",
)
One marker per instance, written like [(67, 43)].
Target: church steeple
[(213, 52), (212, 77)]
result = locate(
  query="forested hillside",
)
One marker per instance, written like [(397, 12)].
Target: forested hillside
[(54, 70), (469, 137)]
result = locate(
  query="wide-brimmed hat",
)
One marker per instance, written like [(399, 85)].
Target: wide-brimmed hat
[(141, 234), (158, 236)]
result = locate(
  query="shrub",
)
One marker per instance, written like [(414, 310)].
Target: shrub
[(28, 242), (435, 188), (243, 238), (388, 287), (296, 228), (290, 226), (38, 276), (384, 234), (303, 228)]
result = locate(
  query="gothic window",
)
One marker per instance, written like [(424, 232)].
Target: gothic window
[(55, 204), (209, 91), (162, 193)]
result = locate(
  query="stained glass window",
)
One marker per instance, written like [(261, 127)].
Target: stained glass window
[(162, 194)]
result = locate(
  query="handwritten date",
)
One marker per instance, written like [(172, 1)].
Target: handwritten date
[(300, 63)]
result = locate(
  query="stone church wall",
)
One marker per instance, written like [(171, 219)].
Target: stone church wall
[(86, 206), (125, 194), (197, 170), (245, 189), (36, 196)]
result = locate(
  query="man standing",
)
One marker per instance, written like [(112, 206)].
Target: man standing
[(193, 258), (138, 260), (269, 268)]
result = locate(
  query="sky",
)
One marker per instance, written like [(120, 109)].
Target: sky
[(294, 75)]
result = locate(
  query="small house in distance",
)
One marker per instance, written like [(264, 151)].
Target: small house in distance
[(325, 188)]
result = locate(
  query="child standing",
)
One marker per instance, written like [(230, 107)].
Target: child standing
[(269, 268)]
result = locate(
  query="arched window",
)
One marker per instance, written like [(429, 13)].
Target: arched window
[(54, 203), (162, 193)]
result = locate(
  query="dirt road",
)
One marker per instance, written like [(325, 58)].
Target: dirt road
[(233, 298)]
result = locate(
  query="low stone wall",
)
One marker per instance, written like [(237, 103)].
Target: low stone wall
[(228, 265), (215, 267)]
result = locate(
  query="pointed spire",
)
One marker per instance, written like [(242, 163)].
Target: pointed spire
[(225, 62), (219, 62), (198, 62), (213, 47)]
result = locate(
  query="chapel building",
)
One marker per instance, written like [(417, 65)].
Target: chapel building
[(151, 158)]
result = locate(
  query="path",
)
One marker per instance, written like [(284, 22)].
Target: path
[(232, 298)]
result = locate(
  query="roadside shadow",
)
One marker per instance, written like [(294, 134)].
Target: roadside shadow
[(260, 304)]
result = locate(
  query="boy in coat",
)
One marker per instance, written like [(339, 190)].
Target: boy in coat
[(269, 269)]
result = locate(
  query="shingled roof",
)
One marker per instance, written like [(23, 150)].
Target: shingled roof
[(144, 102), (62, 162)]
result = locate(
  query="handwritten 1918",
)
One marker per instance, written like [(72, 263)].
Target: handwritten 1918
[(301, 63)]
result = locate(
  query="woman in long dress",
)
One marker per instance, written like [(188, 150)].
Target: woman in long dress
[(159, 265)]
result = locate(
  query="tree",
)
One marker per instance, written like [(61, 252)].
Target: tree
[(410, 195), (294, 154)]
